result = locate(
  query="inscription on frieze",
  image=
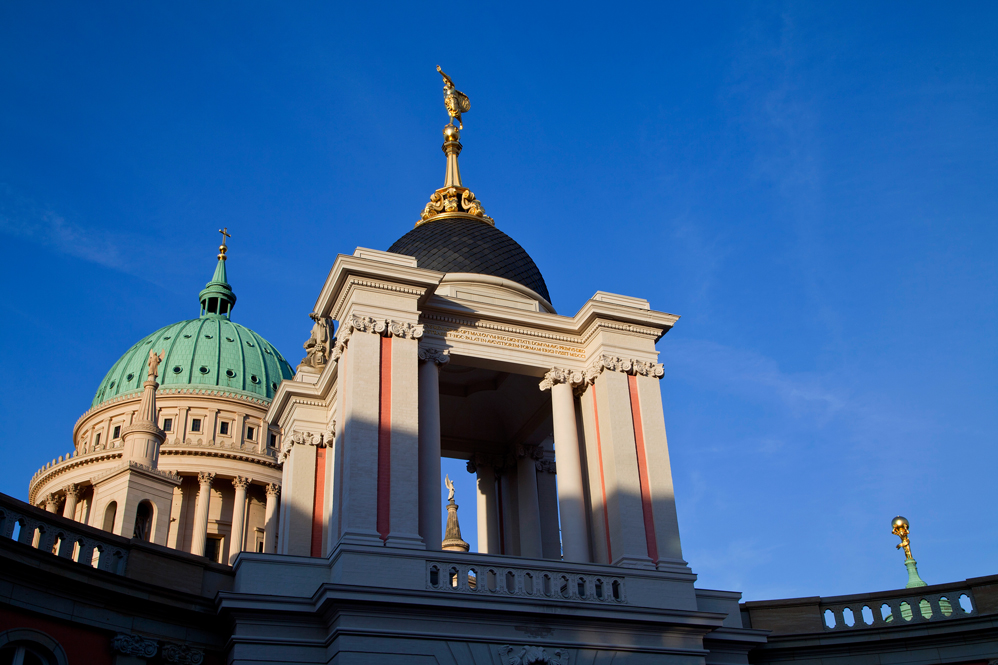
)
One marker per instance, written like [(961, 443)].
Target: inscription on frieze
[(503, 340)]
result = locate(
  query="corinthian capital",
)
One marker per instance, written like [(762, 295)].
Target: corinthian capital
[(434, 355), (560, 375), (241, 481), (273, 489), (73, 490), (206, 478)]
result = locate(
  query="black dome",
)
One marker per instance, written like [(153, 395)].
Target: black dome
[(465, 245)]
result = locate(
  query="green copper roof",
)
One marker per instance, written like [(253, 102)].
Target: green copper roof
[(210, 352)]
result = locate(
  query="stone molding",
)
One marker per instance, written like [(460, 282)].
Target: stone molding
[(385, 327), (557, 375), (528, 655), (522, 450), (206, 478), (134, 645), (241, 481), (624, 365), (498, 463), (273, 489), (182, 654), (381, 286), (128, 464), (434, 355)]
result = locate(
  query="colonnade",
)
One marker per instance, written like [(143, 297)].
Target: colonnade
[(237, 534)]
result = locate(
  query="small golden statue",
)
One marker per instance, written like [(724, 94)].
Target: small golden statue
[(456, 101), (900, 529)]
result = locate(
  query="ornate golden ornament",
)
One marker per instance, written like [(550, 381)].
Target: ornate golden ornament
[(899, 527), (453, 199)]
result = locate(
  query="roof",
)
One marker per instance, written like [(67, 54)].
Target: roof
[(467, 245), (209, 352)]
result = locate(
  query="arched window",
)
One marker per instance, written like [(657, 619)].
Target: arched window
[(109, 514), (23, 646), (143, 522)]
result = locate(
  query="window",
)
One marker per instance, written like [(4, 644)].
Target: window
[(213, 548), (167, 424), (223, 428), (250, 433), (117, 432), (195, 424), (109, 514), (24, 653), (273, 440), (97, 440)]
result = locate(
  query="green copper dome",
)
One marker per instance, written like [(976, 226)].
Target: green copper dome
[(209, 353)]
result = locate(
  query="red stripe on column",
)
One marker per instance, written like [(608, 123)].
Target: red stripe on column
[(385, 440), (602, 482), (318, 500), (639, 444)]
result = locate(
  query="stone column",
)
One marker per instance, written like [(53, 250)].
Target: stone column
[(488, 509), (270, 519), (73, 492), (571, 500), (200, 535), (547, 498), (429, 446), (52, 503), (238, 517), (529, 510)]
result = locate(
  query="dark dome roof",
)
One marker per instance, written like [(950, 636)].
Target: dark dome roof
[(465, 245)]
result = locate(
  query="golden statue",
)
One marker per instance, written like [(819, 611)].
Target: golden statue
[(456, 101), (900, 529)]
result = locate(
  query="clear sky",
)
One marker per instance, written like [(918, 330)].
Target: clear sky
[(812, 186)]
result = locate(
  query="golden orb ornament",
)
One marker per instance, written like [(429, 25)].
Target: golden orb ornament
[(899, 522)]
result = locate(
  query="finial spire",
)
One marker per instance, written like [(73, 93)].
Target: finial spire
[(453, 199), (217, 297), (222, 249)]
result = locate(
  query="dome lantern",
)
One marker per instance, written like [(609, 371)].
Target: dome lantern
[(217, 297)]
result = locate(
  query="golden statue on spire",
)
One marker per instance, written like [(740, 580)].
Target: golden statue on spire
[(456, 101), (453, 199), (899, 527)]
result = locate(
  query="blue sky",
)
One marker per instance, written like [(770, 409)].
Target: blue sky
[(811, 186)]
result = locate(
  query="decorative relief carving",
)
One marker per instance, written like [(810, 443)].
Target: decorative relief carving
[(624, 365), (298, 438), (133, 645), (206, 478), (73, 490), (547, 466), (241, 481), (273, 489), (182, 654), (496, 339), (528, 655), (369, 324), (434, 355), (454, 199), (561, 375), (522, 450)]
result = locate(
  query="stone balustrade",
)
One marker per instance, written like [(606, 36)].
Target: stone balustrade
[(64, 538), (483, 578), (884, 610)]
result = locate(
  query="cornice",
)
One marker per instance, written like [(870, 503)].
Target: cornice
[(48, 473), (350, 272)]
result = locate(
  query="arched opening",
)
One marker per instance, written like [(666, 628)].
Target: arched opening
[(110, 513), (143, 521), (25, 646)]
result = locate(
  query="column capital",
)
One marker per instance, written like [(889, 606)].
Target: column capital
[(241, 482), (385, 327), (52, 501), (300, 438), (73, 490), (547, 466), (273, 489), (434, 355), (133, 645), (206, 478), (522, 450), (624, 365), (182, 654), (557, 375)]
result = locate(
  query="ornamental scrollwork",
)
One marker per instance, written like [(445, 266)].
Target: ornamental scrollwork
[(182, 654), (434, 355), (454, 199), (134, 645), (387, 327), (528, 655), (559, 375), (299, 438), (624, 365)]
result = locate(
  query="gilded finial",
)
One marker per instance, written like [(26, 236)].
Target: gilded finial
[(453, 199), (899, 527), (222, 249)]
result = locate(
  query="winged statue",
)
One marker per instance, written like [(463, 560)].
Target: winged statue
[(456, 101)]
